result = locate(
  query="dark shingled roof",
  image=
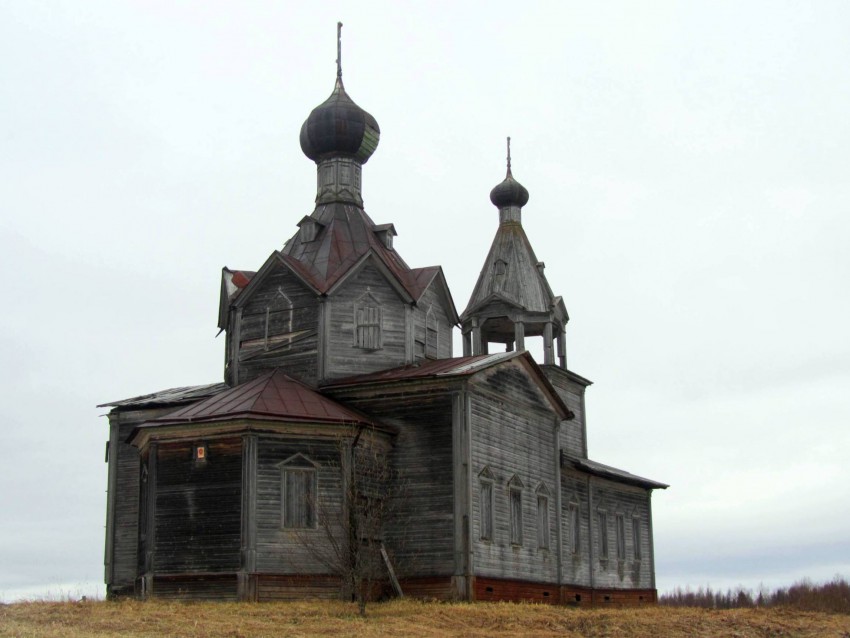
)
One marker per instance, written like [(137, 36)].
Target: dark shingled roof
[(271, 397)]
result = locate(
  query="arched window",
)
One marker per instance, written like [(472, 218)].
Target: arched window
[(486, 504), (367, 322), (542, 516), (298, 492), (515, 487)]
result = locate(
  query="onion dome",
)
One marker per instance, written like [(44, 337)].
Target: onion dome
[(509, 192), (338, 127)]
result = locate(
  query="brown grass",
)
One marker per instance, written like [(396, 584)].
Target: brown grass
[(402, 618)]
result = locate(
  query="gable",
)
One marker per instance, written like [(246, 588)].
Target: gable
[(520, 382)]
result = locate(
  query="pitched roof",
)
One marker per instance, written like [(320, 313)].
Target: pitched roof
[(522, 283), (271, 397), (457, 366), (615, 474), (347, 235), (170, 396)]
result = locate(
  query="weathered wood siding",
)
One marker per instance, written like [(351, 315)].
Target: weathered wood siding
[(630, 502), (420, 536), (433, 300), (122, 529), (513, 434), (296, 551), (576, 563), (573, 432), (279, 328), (344, 358), (198, 506)]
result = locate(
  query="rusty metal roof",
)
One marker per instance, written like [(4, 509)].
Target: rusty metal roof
[(170, 396), (429, 368), (347, 235), (271, 397)]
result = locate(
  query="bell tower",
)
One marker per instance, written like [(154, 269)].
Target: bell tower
[(512, 299)]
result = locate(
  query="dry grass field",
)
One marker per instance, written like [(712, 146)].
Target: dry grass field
[(402, 618)]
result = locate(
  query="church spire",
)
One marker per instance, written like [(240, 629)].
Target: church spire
[(509, 196), (512, 299)]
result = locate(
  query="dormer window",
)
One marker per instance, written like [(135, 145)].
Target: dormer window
[(309, 229), (385, 234), (500, 267)]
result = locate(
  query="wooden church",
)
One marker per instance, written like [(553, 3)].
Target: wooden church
[(222, 491)]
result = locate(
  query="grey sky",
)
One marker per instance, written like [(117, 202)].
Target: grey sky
[(688, 171)]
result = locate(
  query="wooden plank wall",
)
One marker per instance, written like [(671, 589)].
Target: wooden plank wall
[(630, 502), (123, 500), (218, 587), (284, 551), (432, 298), (299, 357), (572, 393), (576, 562), (513, 432), (344, 359), (198, 507)]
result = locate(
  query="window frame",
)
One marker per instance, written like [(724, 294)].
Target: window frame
[(636, 539), (368, 334), (486, 515), (543, 532), (620, 532), (515, 488), (574, 521), (307, 473), (602, 528)]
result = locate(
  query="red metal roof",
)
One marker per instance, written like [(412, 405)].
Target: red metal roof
[(273, 396)]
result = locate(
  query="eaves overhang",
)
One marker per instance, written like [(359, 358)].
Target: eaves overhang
[(611, 473)]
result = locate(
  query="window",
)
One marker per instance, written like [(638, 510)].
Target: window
[(431, 334), (542, 517), (367, 323), (636, 537), (298, 492), (515, 492), (621, 537), (485, 504), (574, 530), (602, 524)]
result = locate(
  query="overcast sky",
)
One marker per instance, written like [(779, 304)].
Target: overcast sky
[(688, 171)]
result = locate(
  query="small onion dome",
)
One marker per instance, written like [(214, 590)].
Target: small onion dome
[(509, 193), (339, 128)]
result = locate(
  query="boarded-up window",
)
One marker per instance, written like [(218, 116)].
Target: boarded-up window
[(602, 524), (485, 505), (432, 335), (298, 492), (621, 537), (575, 529), (636, 537), (515, 493), (367, 323), (542, 517)]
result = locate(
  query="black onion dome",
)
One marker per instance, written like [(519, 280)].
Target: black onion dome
[(338, 127), (509, 193)]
